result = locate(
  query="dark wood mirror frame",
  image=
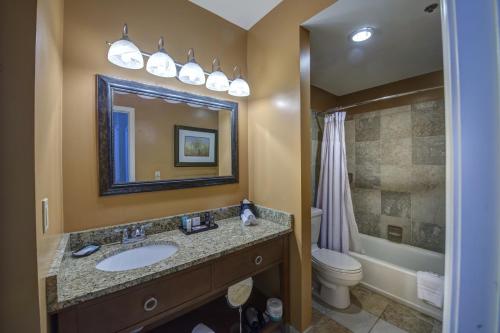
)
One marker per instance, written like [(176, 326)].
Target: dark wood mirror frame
[(105, 87)]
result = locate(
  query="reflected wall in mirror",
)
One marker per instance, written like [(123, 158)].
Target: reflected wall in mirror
[(153, 138)]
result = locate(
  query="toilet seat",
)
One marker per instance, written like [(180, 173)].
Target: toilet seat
[(335, 261)]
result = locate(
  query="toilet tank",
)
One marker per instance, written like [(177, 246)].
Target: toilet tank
[(316, 215)]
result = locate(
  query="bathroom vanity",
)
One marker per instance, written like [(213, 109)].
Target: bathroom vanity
[(82, 298)]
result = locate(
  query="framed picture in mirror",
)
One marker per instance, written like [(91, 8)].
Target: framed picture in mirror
[(195, 146)]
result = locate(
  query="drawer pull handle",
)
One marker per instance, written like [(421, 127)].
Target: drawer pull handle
[(258, 260), (137, 330), (150, 304)]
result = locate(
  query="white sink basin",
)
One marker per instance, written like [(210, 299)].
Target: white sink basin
[(138, 257)]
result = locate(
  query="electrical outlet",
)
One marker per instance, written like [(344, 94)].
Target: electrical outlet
[(45, 215), (157, 175)]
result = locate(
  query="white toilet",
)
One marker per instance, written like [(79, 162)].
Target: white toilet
[(334, 271)]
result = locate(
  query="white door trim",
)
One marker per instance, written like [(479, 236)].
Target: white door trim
[(471, 44), (131, 138)]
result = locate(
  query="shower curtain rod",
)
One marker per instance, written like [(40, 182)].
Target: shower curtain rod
[(378, 99)]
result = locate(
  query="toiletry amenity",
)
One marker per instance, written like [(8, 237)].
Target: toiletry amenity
[(247, 215), (274, 309), (430, 288), (195, 224), (247, 204), (254, 319), (86, 250), (195, 221)]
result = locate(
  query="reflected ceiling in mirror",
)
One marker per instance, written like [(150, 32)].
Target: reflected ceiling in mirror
[(152, 138)]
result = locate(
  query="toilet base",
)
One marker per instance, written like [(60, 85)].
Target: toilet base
[(338, 296)]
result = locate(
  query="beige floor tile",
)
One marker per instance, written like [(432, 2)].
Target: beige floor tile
[(407, 319), (326, 325), (322, 324), (354, 318), (369, 300)]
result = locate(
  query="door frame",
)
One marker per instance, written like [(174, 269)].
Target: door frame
[(471, 55), (131, 138)]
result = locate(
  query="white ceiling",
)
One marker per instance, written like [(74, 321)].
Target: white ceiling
[(406, 43), (243, 13)]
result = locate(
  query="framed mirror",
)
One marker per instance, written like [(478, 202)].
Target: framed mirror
[(152, 138)]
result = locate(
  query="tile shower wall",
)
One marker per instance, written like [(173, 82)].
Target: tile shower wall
[(317, 122), (397, 158)]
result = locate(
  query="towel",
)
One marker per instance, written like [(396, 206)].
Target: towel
[(202, 328), (247, 218), (430, 288)]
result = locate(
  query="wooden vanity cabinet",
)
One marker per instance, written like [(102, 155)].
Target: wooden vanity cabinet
[(139, 308)]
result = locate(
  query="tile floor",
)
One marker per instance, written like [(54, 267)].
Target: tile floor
[(370, 313)]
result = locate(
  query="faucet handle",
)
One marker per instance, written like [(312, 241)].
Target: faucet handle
[(144, 227), (123, 232)]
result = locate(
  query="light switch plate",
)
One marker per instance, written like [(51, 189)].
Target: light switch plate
[(157, 175), (45, 215)]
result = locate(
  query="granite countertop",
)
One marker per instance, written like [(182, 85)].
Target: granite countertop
[(77, 280)]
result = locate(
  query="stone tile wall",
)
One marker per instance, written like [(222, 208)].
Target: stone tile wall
[(397, 157), (316, 136)]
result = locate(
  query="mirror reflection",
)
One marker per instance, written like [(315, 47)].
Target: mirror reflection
[(155, 138)]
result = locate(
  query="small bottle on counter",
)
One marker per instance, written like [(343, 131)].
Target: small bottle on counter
[(188, 225)]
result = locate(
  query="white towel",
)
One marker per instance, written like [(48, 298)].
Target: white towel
[(430, 288), (202, 328), (247, 218)]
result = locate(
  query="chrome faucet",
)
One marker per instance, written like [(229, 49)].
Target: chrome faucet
[(132, 234)]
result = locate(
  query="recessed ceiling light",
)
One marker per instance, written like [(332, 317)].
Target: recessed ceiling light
[(361, 35)]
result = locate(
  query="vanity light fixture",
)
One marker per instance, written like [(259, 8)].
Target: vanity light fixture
[(239, 87), (191, 72), (217, 80), (124, 53), (160, 63), (362, 34)]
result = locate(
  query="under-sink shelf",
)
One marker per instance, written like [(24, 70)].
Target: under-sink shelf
[(218, 316)]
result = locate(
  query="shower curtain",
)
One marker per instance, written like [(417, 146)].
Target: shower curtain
[(339, 231)]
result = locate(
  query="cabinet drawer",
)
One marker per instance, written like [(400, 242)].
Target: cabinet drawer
[(125, 310), (242, 264)]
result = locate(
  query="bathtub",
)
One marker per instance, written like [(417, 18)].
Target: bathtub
[(391, 269)]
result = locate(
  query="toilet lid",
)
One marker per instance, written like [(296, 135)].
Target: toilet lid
[(336, 260)]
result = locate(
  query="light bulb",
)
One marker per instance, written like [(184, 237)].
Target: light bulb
[(217, 80), (160, 63), (362, 34), (124, 53), (191, 72), (239, 87)]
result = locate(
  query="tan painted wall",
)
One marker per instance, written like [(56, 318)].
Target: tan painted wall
[(154, 136), (279, 143), (19, 307), (48, 136), (87, 25), (322, 100)]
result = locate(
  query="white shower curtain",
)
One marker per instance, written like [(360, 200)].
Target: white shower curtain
[(339, 231)]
